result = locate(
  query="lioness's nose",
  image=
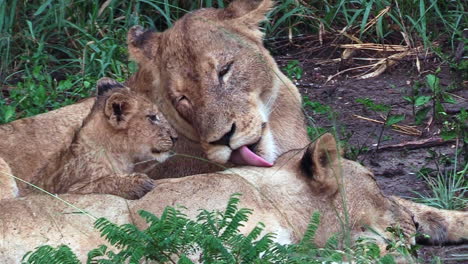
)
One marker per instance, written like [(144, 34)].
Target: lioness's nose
[(224, 140)]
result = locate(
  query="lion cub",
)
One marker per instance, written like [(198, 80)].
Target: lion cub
[(123, 128)]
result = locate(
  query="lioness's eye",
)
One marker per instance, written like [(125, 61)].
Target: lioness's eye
[(153, 118), (181, 98), (225, 69)]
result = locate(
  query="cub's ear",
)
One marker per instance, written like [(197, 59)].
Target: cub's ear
[(249, 12), (320, 165), (106, 84), (119, 109), (142, 44)]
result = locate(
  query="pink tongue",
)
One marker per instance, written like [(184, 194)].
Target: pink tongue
[(244, 156)]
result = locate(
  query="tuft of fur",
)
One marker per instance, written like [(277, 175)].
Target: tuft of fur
[(107, 84)]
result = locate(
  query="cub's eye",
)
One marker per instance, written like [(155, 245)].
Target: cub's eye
[(153, 118), (225, 69)]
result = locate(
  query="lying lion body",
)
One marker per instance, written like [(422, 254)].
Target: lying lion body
[(283, 197), (122, 128), (29, 144)]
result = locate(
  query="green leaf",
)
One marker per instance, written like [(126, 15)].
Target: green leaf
[(394, 119), (9, 114), (448, 134), (449, 99), (387, 259), (408, 99), (31, 29), (421, 115), (42, 8), (184, 260), (422, 100), (433, 82), (317, 107), (439, 108)]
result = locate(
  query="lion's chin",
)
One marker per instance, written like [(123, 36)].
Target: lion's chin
[(162, 157), (245, 156)]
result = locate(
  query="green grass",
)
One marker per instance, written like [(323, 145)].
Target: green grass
[(81, 41), (447, 183)]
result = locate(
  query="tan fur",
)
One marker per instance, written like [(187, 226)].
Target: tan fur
[(440, 225), (115, 135), (30, 143), (8, 188), (180, 70), (283, 197)]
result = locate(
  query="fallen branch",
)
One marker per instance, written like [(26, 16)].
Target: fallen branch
[(417, 144)]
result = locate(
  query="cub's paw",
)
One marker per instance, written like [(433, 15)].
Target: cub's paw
[(141, 185)]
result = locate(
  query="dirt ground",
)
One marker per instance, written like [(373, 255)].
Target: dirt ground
[(395, 169)]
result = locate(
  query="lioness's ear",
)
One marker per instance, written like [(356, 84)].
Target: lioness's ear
[(119, 109), (106, 84), (320, 164), (249, 12), (142, 44)]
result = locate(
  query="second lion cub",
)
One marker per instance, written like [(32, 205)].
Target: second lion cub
[(123, 128)]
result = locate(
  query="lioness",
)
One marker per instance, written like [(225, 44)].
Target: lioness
[(283, 197), (219, 87), (121, 129)]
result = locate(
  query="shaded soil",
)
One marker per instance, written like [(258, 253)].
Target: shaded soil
[(396, 169)]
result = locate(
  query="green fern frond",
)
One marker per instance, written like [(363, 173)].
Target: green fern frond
[(230, 210), (235, 222), (50, 255), (96, 253), (311, 231), (259, 247), (208, 222)]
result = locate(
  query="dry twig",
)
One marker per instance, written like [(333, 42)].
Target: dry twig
[(423, 143), (407, 130)]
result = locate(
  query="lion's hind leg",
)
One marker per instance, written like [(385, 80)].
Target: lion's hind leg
[(8, 187), (440, 226)]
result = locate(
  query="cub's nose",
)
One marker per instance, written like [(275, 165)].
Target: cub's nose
[(226, 138)]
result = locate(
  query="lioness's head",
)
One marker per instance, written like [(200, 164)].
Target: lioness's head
[(214, 80), (132, 124), (343, 191)]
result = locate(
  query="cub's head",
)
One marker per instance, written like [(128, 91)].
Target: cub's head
[(132, 124), (214, 80)]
